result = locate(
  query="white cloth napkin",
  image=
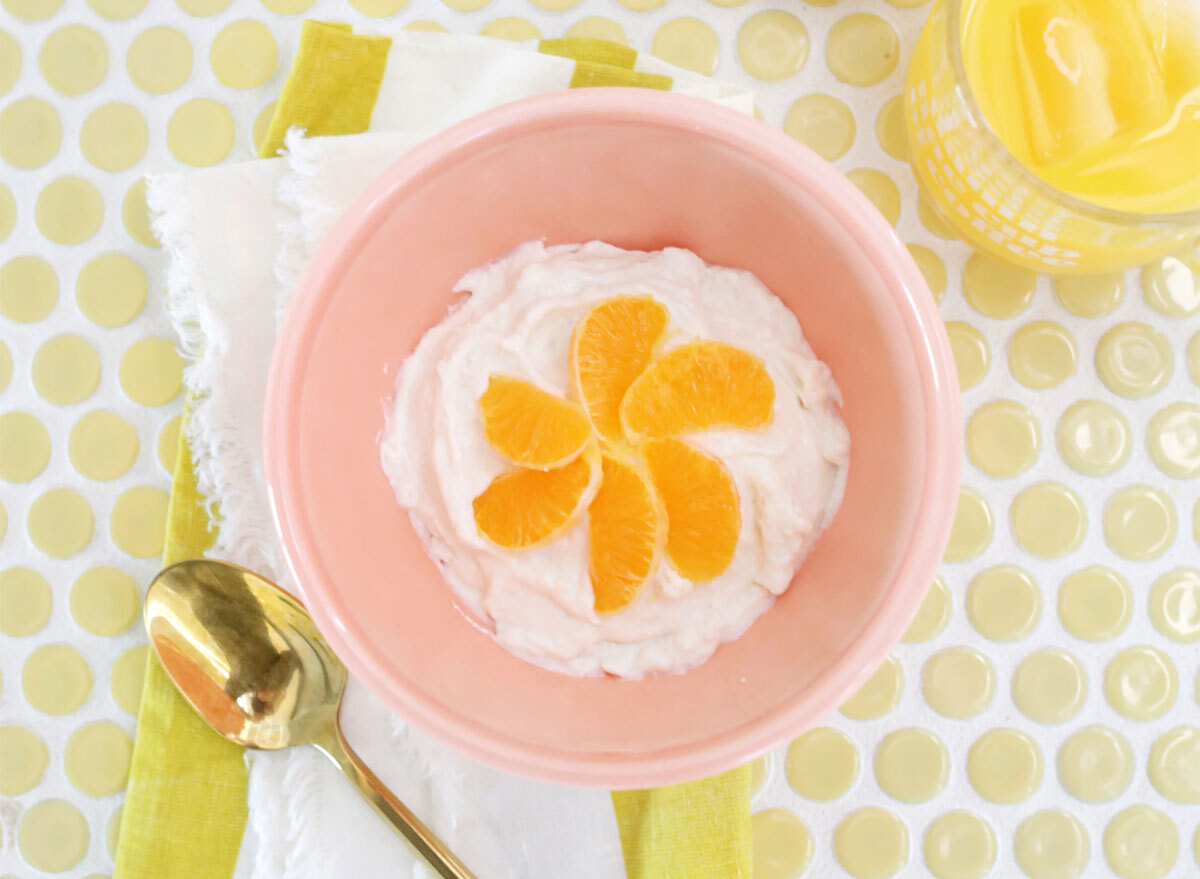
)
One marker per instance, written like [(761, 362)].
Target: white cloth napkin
[(238, 237)]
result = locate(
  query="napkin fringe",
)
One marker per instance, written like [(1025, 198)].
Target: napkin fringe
[(223, 467), (299, 236)]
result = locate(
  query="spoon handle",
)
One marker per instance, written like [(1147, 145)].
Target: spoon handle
[(410, 828)]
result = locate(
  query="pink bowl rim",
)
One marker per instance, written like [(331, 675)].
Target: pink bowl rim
[(942, 423)]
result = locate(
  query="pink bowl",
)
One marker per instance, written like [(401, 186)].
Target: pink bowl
[(639, 169)]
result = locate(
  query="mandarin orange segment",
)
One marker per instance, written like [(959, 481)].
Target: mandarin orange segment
[(612, 344), (526, 508), (531, 427), (703, 513), (626, 533), (696, 387)]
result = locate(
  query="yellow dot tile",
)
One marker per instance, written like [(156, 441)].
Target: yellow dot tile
[(687, 42), (958, 682), (595, 27), (203, 8), (514, 28), (200, 132), (822, 764), (112, 833), (862, 49), (1173, 438), (972, 357), (880, 189), (932, 220), (24, 446), (1090, 296), (1175, 605), (959, 845), (932, 615), (74, 59), (262, 125), (1140, 683), (159, 60), (1042, 355), (114, 137), (60, 523), (1048, 520), (878, 695), (822, 123), (1171, 287), (96, 759), (8, 212), (1003, 438), (56, 679), (1095, 603), (139, 521), (66, 370), (972, 529), (23, 758), (1193, 359), (1139, 522), (151, 371), (128, 673), (1004, 603), (1174, 765), (118, 10), (932, 269), (997, 289), (772, 45), (912, 765), (168, 443), (1094, 438), (1051, 845), (379, 8), (52, 835), (32, 10), (25, 599), (1004, 766), (10, 61), (3, 523), (1095, 764), (424, 24), (641, 5), (111, 290), (136, 217), (554, 5), (1141, 842), (28, 289), (889, 128), (287, 7), (104, 601), (1049, 686), (6, 366), (871, 843), (69, 210), (783, 847), (243, 54), (758, 773), (1134, 360), (30, 133)]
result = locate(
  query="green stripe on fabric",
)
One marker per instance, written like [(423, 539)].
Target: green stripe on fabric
[(185, 802), (333, 84), (592, 51), (698, 830), (587, 74)]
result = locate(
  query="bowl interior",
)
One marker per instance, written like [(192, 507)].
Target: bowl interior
[(642, 180)]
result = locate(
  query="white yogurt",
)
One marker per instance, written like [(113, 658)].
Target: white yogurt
[(518, 320)]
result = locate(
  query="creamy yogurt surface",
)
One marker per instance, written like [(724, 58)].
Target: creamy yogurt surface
[(517, 318)]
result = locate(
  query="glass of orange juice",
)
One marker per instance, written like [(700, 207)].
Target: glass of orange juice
[(1062, 135)]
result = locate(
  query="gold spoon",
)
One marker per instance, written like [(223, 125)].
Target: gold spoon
[(250, 660)]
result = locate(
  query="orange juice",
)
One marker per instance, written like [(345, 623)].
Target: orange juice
[(1098, 103), (1099, 98)]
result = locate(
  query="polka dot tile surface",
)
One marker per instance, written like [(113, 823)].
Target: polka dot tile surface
[(1039, 717)]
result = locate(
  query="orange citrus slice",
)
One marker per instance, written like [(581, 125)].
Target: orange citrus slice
[(695, 387), (626, 532), (531, 427), (612, 344), (527, 508), (703, 514)]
